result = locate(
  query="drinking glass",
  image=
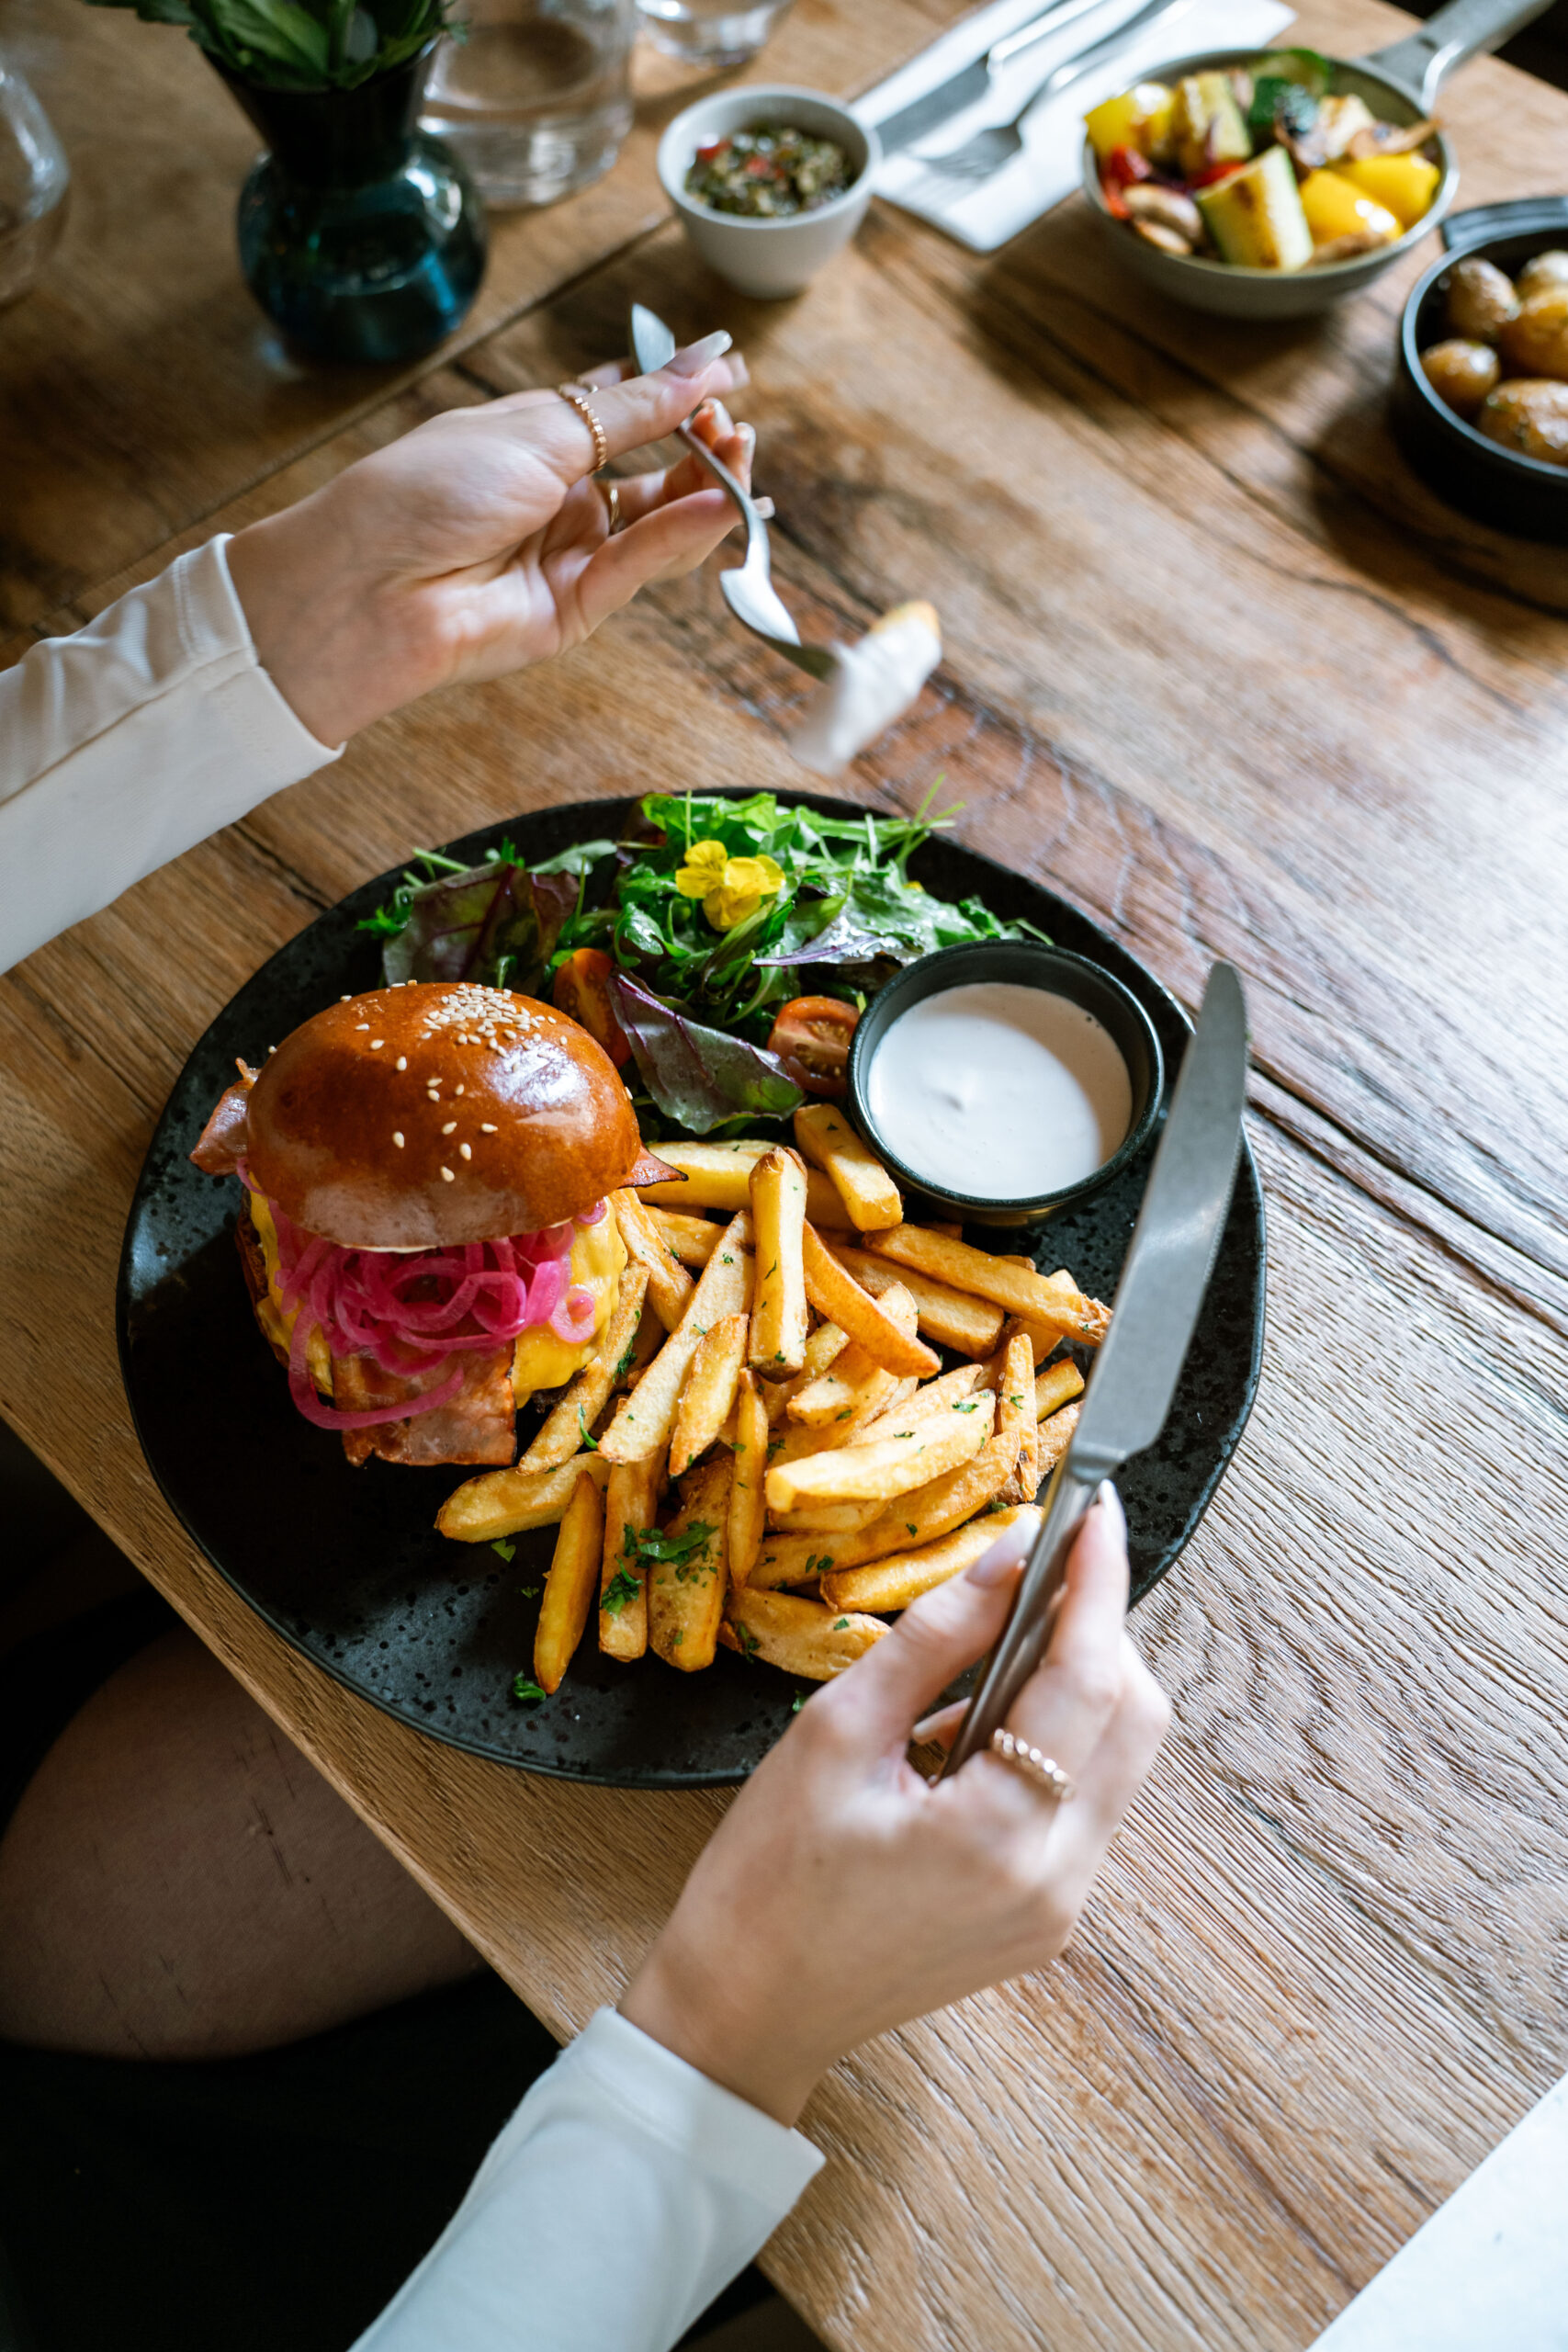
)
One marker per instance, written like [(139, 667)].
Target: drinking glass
[(710, 33), (535, 98), (34, 179)]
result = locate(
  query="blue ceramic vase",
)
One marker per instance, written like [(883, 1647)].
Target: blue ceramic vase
[(360, 236)]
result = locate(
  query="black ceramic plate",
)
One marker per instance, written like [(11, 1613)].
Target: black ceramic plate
[(347, 1565)]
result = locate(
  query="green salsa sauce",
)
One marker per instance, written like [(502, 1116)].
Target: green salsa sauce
[(768, 173)]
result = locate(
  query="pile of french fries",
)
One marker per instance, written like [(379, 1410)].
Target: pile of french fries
[(766, 1452)]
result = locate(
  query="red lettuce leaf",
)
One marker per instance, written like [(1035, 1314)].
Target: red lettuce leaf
[(497, 924), (698, 1076)]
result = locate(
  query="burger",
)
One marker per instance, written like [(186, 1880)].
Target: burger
[(427, 1236)]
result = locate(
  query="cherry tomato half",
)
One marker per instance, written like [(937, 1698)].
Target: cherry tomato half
[(812, 1035), (582, 993)]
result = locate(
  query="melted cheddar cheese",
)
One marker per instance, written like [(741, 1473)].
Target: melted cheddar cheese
[(540, 1358), (598, 1260)]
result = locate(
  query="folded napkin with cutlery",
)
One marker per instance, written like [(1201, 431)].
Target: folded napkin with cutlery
[(984, 214)]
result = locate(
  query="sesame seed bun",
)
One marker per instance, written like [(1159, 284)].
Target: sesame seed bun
[(436, 1114)]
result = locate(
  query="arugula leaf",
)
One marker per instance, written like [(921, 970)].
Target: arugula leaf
[(696, 1075)]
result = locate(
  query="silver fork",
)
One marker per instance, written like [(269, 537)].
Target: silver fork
[(988, 150), (748, 590)]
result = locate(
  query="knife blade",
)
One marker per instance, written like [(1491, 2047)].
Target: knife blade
[(1156, 1309), (970, 84)]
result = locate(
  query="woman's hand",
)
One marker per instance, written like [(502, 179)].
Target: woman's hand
[(844, 1895), (481, 541)]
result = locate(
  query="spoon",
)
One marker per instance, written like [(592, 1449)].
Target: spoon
[(749, 590)]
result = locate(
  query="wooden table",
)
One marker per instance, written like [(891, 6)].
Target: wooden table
[(1222, 670)]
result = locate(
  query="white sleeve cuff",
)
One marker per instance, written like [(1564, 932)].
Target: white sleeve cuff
[(123, 745), (623, 2194)]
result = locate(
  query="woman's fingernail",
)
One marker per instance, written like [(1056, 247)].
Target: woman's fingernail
[(721, 417), (749, 435), (695, 357), (995, 1566), (765, 508), (1108, 1500)]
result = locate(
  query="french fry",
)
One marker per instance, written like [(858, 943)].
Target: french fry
[(564, 1431), (917, 1518), (718, 1176), (631, 1502), (1016, 1416), (779, 1320), (1015, 1287), (669, 1285), (823, 1346), (826, 1517), (709, 1392), (839, 1298), (645, 1418), (940, 1396), (1056, 1436), (892, 1583), (571, 1585), (748, 1470), (799, 1635), (834, 1395), (650, 1337), (854, 1474), (687, 1591), (691, 1238), (870, 1198), (969, 1326), (509, 1502), (1056, 1387)]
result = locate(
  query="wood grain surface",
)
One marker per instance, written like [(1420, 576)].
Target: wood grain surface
[(1221, 671)]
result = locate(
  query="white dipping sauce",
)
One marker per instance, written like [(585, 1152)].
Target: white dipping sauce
[(999, 1092)]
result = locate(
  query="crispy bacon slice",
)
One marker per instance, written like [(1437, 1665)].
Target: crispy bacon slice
[(221, 1146), (477, 1425)]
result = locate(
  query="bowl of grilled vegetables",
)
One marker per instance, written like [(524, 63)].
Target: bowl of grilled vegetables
[(1266, 185)]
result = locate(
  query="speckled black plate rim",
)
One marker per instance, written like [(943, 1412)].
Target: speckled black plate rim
[(336, 939)]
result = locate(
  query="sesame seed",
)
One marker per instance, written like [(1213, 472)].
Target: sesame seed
[(488, 1127), (377, 1044), (362, 1024), (345, 999), (397, 1137), (467, 1149), (450, 1128), (447, 1172), (403, 1061), (459, 1089)]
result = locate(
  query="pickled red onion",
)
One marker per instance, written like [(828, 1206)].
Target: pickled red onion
[(412, 1310)]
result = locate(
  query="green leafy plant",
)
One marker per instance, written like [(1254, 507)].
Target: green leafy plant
[(301, 44)]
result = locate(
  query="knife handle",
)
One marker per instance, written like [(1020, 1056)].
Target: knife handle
[(1025, 1636)]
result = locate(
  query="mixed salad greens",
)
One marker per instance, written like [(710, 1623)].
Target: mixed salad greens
[(684, 946)]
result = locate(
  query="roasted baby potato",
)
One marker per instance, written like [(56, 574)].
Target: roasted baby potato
[(1461, 373), (1529, 416), (1545, 269), (1481, 301), (1534, 342)]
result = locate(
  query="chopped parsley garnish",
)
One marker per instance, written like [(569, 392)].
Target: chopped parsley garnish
[(619, 1593), (625, 1364), (841, 1624), (589, 1444), (972, 1405), (530, 1591), (749, 1642), (525, 1688), (911, 1526), (651, 1545), (799, 1702), (504, 1551), (845, 1414)]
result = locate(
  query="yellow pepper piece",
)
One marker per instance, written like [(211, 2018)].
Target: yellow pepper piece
[(1405, 184), (1335, 208), (1139, 119)]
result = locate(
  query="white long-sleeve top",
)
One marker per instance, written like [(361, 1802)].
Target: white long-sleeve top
[(131, 741), (628, 2188)]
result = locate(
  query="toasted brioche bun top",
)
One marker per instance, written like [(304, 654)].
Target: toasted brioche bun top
[(436, 1114)]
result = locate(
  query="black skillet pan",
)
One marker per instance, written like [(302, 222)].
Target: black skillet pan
[(1496, 485)]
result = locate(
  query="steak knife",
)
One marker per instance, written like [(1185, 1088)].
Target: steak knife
[(969, 85), (1156, 1310)]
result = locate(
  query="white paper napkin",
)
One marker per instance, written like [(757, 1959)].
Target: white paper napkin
[(984, 216)]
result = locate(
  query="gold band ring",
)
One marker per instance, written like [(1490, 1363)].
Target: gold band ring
[(1043, 1770), (613, 502), (584, 407)]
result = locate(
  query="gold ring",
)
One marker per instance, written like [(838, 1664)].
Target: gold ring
[(584, 407), (1043, 1770), (612, 500)]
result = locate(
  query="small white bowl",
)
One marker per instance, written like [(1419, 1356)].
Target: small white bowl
[(769, 258)]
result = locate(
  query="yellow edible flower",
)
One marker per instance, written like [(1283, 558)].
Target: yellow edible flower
[(729, 888)]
